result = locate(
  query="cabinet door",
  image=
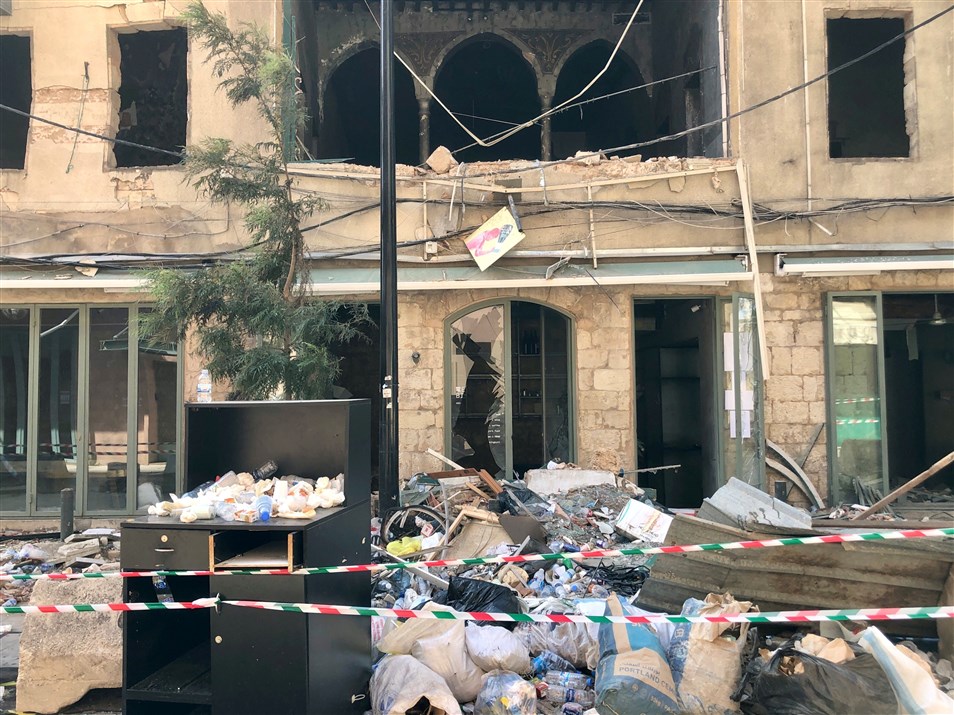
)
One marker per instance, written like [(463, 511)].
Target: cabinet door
[(259, 658)]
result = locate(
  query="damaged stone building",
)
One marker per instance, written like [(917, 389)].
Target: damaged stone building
[(714, 279)]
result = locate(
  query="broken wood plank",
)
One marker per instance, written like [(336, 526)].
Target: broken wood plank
[(445, 460), (480, 515), (424, 574), (453, 473), (490, 481)]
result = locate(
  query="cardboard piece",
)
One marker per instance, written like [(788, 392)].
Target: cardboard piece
[(639, 521)]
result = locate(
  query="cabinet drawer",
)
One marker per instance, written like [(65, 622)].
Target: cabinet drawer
[(173, 549)]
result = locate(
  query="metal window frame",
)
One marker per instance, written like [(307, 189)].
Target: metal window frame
[(81, 483), (506, 303), (831, 429)]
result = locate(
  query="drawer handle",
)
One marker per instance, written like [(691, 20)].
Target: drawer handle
[(164, 551)]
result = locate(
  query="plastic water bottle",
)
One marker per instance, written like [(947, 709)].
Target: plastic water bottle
[(574, 681), (263, 507), (203, 388), (548, 660), (559, 694)]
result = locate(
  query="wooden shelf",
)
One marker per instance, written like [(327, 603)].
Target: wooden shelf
[(187, 679)]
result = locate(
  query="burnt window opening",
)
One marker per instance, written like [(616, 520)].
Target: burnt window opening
[(16, 90), (491, 88), (153, 96), (617, 120), (866, 113), (351, 112)]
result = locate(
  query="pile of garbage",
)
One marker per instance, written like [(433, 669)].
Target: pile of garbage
[(254, 496), (90, 551), (453, 666)]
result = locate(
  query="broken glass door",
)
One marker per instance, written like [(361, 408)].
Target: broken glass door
[(478, 400), (743, 422)]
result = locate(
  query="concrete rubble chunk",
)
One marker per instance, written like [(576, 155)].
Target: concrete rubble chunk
[(551, 481), (741, 504), (441, 160), (65, 655)]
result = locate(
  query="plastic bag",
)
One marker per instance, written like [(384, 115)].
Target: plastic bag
[(468, 594), (914, 686), (505, 693), (633, 675), (399, 682), (400, 640), (446, 654), (706, 663), (574, 642), (496, 648), (824, 688)]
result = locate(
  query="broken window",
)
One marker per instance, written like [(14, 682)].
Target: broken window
[(152, 96), (866, 116), (16, 90)]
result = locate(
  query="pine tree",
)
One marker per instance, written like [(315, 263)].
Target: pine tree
[(254, 322)]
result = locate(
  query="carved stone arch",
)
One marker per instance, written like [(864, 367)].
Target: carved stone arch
[(622, 55), (334, 63), (505, 37)]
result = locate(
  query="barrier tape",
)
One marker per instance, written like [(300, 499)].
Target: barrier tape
[(109, 607), (853, 614), (518, 559)]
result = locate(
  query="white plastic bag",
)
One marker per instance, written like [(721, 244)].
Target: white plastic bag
[(400, 681), (446, 654), (505, 693), (496, 648), (914, 686), (400, 640)]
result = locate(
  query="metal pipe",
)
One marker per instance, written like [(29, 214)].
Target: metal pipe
[(808, 119), (388, 466), (67, 507)]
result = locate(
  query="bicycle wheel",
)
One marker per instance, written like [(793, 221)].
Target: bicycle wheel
[(412, 521)]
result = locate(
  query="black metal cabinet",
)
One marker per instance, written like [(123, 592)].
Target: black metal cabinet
[(244, 661)]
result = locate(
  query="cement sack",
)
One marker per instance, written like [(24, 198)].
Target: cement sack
[(446, 654), (913, 685), (496, 648), (633, 675), (399, 682), (706, 658)]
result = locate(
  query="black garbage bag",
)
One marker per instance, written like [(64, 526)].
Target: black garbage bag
[(825, 688), (469, 594)]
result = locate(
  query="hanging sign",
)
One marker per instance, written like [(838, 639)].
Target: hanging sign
[(494, 238)]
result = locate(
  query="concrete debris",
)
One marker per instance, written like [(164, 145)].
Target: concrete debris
[(588, 158), (742, 505), (64, 656), (550, 481), (441, 160)]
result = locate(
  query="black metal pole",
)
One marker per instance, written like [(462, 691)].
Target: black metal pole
[(67, 507), (388, 479)]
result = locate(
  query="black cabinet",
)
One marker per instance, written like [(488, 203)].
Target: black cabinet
[(234, 660)]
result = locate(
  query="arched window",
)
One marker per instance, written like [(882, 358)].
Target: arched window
[(509, 387), (615, 121), (351, 112), (491, 88)]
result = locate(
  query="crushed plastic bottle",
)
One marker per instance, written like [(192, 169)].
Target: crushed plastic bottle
[(572, 680), (560, 694), (265, 471), (548, 660)]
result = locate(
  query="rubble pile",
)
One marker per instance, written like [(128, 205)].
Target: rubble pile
[(90, 551)]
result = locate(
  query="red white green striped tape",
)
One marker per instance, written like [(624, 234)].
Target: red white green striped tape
[(112, 607), (853, 614), (890, 535)]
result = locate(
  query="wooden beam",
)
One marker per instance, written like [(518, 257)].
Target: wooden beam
[(904, 489), (749, 223)]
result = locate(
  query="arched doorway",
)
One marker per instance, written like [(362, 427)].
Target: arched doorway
[(509, 391), (615, 121), (491, 88), (351, 112)]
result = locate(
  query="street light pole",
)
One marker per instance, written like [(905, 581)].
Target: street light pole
[(388, 478)]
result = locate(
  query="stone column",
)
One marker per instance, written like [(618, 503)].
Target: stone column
[(545, 141), (424, 127)]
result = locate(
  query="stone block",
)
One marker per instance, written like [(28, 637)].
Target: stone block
[(551, 481), (592, 358), (781, 361), (817, 412), (779, 333), (417, 419), (790, 412), (616, 380), (785, 387), (806, 361), (809, 333), (780, 301), (63, 656), (441, 160)]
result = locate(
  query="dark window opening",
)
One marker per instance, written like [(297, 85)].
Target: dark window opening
[(491, 88), (153, 96), (615, 121), (16, 90), (351, 112), (866, 116)]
